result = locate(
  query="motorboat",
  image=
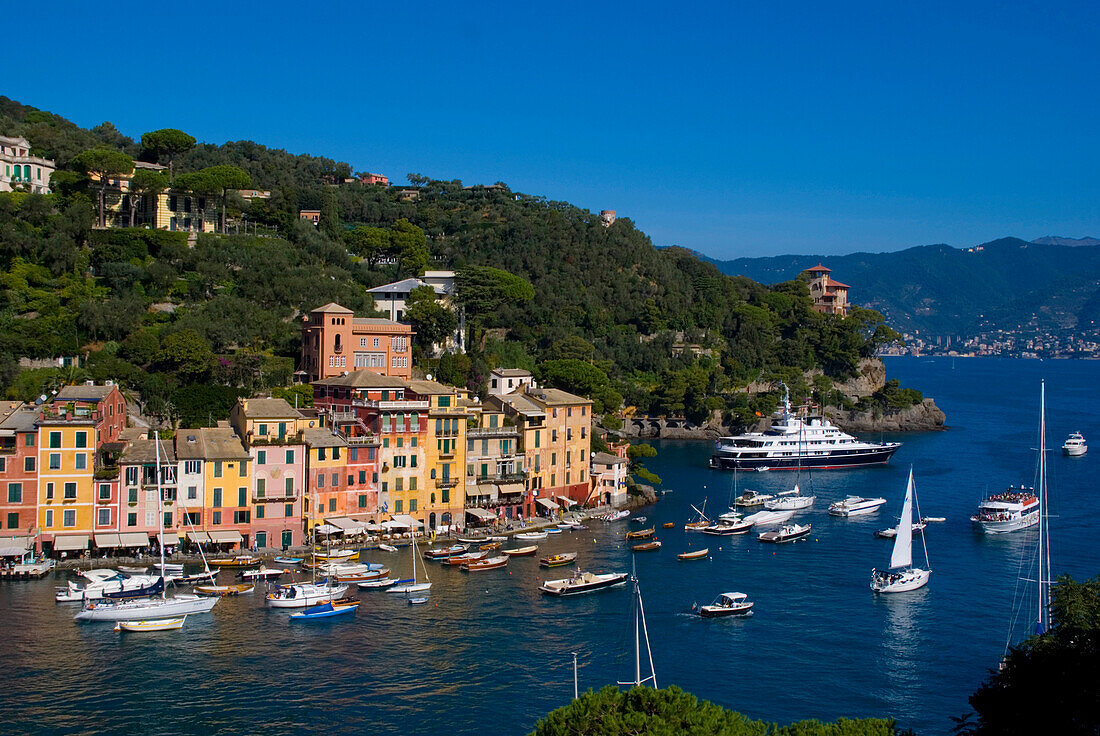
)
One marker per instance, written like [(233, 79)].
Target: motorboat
[(639, 520), (499, 539), (856, 506), (222, 591), (168, 568), (491, 563), (553, 530), (728, 528), (238, 561), (350, 568), (565, 558), (109, 584), (362, 576), (262, 573), (328, 609), (531, 536), (136, 570), (291, 561), (651, 546), (153, 608), (459, 560), (792, 500), (1010, 511), (1075, 445), (769, 518), (583, 582), (727, 604), (787, 533), (901, 576), (640, 533), (698, 554), (616, 515), (798, 440), (521, 551), (892, 532), (378, 584), (730, 516), (303, 595), (158, 624), (751, 499), (442, 553), (418, 601), (387, 547)]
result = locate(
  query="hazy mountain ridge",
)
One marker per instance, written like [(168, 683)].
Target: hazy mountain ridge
[(942, 290)]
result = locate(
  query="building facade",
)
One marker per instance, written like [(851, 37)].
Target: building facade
[(829, 295), (21, 170), (335, 341), (18, 468)]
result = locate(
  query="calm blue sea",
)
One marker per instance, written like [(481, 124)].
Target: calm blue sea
[(490, 655)]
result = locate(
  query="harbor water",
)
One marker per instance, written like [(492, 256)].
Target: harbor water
[(489, 654)]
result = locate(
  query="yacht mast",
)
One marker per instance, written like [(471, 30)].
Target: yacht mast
[(640, 631), (160, 515), (1041, 623)]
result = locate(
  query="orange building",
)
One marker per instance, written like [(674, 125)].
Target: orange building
[(335, 341), (830, 296)]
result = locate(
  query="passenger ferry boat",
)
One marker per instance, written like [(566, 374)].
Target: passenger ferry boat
[(1016, 508), (797, 440)]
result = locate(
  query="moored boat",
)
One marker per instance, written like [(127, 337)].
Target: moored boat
[(328, 609), (751, 499), (362, 576), (583, 582), (291, 561), (792, 500), (159, 624), (154, 608), (727, 604), (788, 533), (238, 561), (261, 573), (521, 551), (640, 533), (651, 546), (1075, 445), (698, 554), (728, 528), (303, 595), (565, 558), (769, 518), (441, 553), (490, 546), (136, 570), (459, 560), (668, 525), (222, 591), (387, 547), (892, 532), (491, 563), (856, 506), (380, 583), (531, 536), (901, 575), (616, 515)]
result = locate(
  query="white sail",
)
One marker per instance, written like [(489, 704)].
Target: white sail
[(902, 555)]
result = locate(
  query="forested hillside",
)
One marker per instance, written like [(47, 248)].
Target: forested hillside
[(940, 290), (606, 314)]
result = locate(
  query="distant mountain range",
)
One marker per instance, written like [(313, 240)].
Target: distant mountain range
[(1052, 283)]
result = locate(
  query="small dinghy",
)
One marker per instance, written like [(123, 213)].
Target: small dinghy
[(238, 561), (727, 604), (553, 530), (892, 532), (641, 533), (417, 601), (668, 525), (521, 551), (199, 577), (261, 573), (531, 536), (160, 624), (291, 560), (129, 570), (379, 584), (441, 553), (490, 564), (387, 548), (459, 560), (651, 546), (216, 591), (489, 546), (472, 540), (565, 558), (328, 609), (696, 555)]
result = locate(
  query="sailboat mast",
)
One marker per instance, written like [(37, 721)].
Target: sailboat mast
[(160, 514), (637, 638), (1040, 624)]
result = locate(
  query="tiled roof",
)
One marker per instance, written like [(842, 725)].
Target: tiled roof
[(333, 307), (554, 397), (268, 409), (82, 392), (363, 379), (145, 451), (404, 286), (323, 438)]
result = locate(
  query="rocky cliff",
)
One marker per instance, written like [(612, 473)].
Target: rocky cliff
[(922, 417)]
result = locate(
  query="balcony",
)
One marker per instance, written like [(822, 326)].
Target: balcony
[(392, 405), (8, 450), (478, 433), (280, 496), (446, 482), (502, 478), (106, 473), (273, 439), (343, 416)]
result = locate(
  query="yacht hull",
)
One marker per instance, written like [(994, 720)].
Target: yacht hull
[(877, 456), (905, 581)]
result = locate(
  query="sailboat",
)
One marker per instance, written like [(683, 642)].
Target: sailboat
[(1043, 580), (640, 632), (153, 608), (792, 500), (411, 585), (902, 576), (303, 595), (701, 522)]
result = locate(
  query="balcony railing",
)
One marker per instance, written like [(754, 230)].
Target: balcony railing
[(446, 482), (391, 405), (274, 439), (8, 450), (476, 433), (343, 416), (281, 496), (502, 478)]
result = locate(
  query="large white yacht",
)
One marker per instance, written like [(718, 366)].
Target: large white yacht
[(1016, 508), (797, 440), (1075, 445)]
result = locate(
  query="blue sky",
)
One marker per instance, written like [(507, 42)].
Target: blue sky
[(737, 129)]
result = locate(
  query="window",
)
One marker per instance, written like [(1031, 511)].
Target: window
[(385, 485), (362, 501), (412, 482), (288, 487), (216, 500), (81, 461), (320, 453), (132, 496), (55, 461), (242, 496), (553, 458), (131, 519), (320, 480), (398, 484), (167, 519), (263, 430), (81, 439), (192, 493), (412, 505), (331, 505), (242, 470), (288, 510), (49, 517), (28, 465), (191, 467), (260, 511), (55, 439), (261, 457), (553, 479), (13, 521), (446, 495), (553, 435), (70, 491), (351, 479), (68, 517), (336, 453), (398, 507), (260, 488), (131, 475), (335, 480), (536, 438), (30, 440), (104, 492), (217, 468), (216, 518), (290, 456), (194, 518)]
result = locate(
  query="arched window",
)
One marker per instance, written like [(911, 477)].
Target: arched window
[(431, 520)]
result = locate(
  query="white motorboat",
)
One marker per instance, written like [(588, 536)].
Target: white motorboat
[(797, 440), (1075, 445), (788, 533), (892, 532), (856, 506), (1015, 509), (130, 570), (727, 604), (262, 573), (377, 584), (301, 595), (792, 500), (583, 582), (769, 518), (902, 576), (616, 515), (106, 583), (728, 527), (387, 548), (159, 624), (532, 536), (169, 568), (751, 499), (152, 608)]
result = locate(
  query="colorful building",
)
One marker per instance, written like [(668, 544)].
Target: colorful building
[(335, 341), (441, 502), (608, 479), (18, 469), (21, 170), (134, 522), (227, 512), (494, 468), (829, 295)]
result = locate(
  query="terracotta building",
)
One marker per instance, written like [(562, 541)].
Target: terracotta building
[(830, 296), (335, 341)]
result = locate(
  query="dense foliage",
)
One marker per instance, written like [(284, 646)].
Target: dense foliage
[(544, 285), (672, 712), (1051, 682)]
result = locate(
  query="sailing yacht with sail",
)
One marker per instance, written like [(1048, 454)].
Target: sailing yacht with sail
[(902, 576)]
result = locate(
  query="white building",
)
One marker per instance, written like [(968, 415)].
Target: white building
[(18, 168), (608, 479), (504, 381), (392, 299)]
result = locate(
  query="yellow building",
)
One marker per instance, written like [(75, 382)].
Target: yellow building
[(325, 476), (227, 512), (440, 498), (66, 488)]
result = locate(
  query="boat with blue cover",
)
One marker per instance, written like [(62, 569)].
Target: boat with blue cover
[(328, 609)]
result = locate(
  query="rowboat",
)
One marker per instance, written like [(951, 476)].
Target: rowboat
[(220, 591), (363, 576), (328, 609), (531, 536), (417, 601), (668, 525), (696, 555), (238, 561), (489, 546), (521, 551), (553, 530), (441, 553), (463, 559), (490, 564), (565, 558), (160, 624), (640, 533), (646, 547), (387, 548), (290, 560), (336, 555), (379, 584), (498, 539), (261, 573), (696, 526), (472, 540)]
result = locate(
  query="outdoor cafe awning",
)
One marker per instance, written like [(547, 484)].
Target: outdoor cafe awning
[(107, 541), (346, 523), (168, 539), (481, 514), (546, 503), (15, 546), (402, 521), (327, 529), (511, 487), (198, 537), (224, 537), (133, 539), (70, 542)]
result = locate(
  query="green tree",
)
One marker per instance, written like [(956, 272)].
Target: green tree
[(201, 184), (188, 354), (372, 244), (103, 163), (433, 321), (411, 247), (224, 178), (482, 289), (145, 183), (169, 143)]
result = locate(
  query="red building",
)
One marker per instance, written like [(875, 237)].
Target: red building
[(335, 341), (18, 469)]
